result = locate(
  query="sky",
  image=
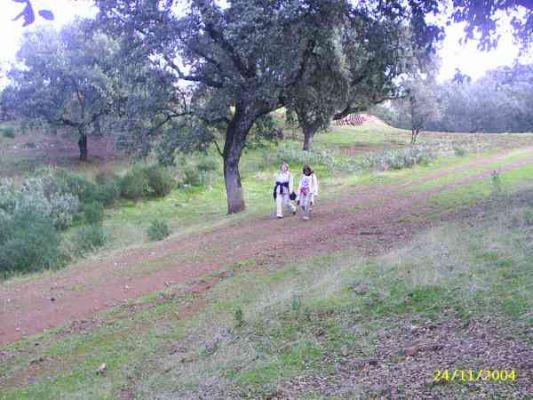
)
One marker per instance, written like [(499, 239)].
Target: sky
[(453, 55)]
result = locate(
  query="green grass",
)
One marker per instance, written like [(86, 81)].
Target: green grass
[(470, 193), (296, 317)]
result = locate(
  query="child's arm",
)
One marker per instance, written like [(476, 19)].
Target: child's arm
[(315, 184), (291, 183), (298, 190)]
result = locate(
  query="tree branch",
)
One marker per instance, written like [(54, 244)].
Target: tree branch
[(192, 78)]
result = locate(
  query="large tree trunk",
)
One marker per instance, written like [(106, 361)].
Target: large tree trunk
[(236, 134), (82, 144), (309, 134)]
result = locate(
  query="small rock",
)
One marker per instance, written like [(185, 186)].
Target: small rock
[(52, 299)]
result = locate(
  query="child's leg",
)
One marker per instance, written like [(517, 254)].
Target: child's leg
[(279, 203)]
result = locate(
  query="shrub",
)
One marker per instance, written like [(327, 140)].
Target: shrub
[(90, 237), (74, 184), (160, 180), (43, 193), (63, 208), (8, 195), (459, 151), (134, 185), (158, 230), (398, 159), (93, 212), (296, 157), (28, 242), (104, 177), (8, 133), (208, 164), (191, 176), (106, 193)]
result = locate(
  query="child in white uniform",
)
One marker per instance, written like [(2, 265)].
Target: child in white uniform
[(283, 190), (307, 188)]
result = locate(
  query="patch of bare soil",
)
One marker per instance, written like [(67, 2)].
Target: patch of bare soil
[(56, 150), (371, 220), (407, 359)]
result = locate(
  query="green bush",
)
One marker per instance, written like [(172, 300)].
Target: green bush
[(90, 237), (75, 184), (398, 159), (158, 230), (208, 164), (8, 132), (28, 243), (42, 192), (191, 176), (134, 185), (459, 151), (297, 158), (93, 212), (8, 195), (106, 193), (160, 180)]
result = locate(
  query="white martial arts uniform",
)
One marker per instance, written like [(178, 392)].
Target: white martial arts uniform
[(283, 192)]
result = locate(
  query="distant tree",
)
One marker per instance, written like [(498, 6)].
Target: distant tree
[(67, 78), (500, 101), (420, 105), (359, 67)]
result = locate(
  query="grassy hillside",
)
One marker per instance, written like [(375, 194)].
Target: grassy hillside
[(444, 284)]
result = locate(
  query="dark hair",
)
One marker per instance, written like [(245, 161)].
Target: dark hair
[(307, 170)]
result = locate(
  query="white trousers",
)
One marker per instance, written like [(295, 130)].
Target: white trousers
[(283, 199)]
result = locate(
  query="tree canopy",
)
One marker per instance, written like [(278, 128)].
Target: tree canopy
[(67, 78)]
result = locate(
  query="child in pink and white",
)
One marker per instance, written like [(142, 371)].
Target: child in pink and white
[(307, 188), (283, 190)]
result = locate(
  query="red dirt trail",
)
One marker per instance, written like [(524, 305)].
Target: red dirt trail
[(370, 219)]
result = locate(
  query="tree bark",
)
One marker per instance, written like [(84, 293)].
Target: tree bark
[(414, 135), (309, 134), (82, 144), (236, 134)]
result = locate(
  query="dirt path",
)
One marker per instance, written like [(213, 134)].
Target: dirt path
[(372, 219)]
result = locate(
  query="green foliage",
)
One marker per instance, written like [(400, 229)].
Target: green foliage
[(146, 180), (191, 175), (239, 317), (106, 193), (296, 157), (93, 212), (459, 151), (160, 180), (398, 159), (43, 193), (208, 164), (158, 230), (29, 242), (90, 237), (134, 185), (52, 87), (8, 132), (75, 184)]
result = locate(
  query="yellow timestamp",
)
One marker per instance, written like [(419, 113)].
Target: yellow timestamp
[(471, 375)]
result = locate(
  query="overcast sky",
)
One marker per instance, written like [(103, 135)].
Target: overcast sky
[(467, 58)]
